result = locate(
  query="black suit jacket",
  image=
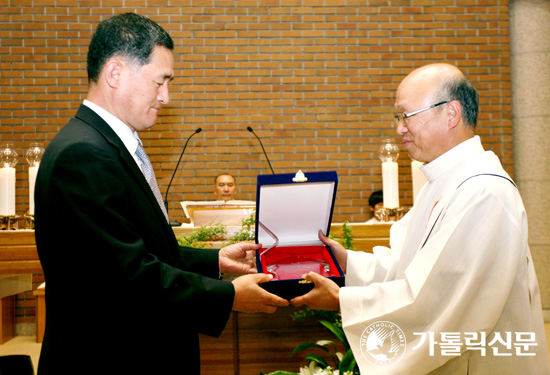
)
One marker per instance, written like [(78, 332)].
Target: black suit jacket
[(122, 297)]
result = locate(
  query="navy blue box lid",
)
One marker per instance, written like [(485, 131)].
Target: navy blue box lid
[(294, 207)]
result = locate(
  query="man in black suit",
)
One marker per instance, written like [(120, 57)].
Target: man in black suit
[(122, 297)]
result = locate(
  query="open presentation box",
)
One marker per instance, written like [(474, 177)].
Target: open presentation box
[(290, 211)]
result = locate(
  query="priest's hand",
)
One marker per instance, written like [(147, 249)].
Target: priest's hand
[(325, 295), (238, 258), (338, 250), (251, 298)]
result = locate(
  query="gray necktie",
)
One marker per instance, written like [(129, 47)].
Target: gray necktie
[(149, 174)]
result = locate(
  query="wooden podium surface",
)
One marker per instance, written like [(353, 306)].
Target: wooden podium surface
[(251, 342), (18, 252), (18, 248), (365, 236)]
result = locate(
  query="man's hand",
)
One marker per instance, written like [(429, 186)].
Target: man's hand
[(338, 250), (323, 297), (238, 258), (251, 298)]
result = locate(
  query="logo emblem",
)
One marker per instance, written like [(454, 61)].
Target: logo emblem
[(383, 343)]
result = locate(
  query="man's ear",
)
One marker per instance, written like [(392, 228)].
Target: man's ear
[(454, 109), (113, 72)]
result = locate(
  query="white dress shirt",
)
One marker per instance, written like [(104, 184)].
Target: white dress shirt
[(129, 137)]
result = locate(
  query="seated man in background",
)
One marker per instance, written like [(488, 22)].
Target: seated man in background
[(207, 212), (376, 202), (225, 187)]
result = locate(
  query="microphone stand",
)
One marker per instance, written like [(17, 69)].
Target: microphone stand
[(175, 223), (259, 140)]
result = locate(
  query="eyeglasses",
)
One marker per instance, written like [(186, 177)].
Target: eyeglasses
[(403, 117)]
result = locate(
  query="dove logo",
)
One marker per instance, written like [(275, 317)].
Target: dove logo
[(383, 343)]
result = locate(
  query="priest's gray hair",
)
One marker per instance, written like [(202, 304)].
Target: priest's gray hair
[(460, 88)]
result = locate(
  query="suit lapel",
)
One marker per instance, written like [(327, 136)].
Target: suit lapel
[(93, 119)]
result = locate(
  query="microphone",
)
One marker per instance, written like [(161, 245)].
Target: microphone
[(259, 140), (175, 170)]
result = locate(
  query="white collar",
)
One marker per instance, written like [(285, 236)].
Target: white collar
[(127, 136), (452, 158)]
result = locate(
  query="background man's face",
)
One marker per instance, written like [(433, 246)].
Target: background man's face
[(225, 188)]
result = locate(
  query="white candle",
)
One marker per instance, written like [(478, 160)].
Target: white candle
[(418, 177), (7, 191), (32, 180), (390, 184)]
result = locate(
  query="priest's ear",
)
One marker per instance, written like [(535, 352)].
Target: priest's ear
[(454, 110)]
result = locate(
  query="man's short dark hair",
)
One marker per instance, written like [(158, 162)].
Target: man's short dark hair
[(128, 35), (376, 197), (224, 174)]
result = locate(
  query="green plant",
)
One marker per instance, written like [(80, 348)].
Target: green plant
[(246, 233), (347, 237), (199, 237), (329, 315)]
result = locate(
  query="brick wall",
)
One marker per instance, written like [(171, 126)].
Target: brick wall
[(314, 78)]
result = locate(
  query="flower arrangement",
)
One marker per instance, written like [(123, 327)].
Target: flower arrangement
[(343, 364)]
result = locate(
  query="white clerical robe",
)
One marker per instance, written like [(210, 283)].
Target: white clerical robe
[(460, 266)]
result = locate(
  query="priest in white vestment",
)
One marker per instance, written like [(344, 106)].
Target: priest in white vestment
[(456, 292)]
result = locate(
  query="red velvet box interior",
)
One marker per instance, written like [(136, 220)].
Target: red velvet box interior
[(286, 263)]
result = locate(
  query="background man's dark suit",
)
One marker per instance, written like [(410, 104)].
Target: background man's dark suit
[(115, 276)]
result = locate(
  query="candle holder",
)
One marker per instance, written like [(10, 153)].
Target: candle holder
[(10, 222), (34, 156), (389, 154), (29, 221), (8, 156), (388, 151), (8, 161), (386, 215)]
